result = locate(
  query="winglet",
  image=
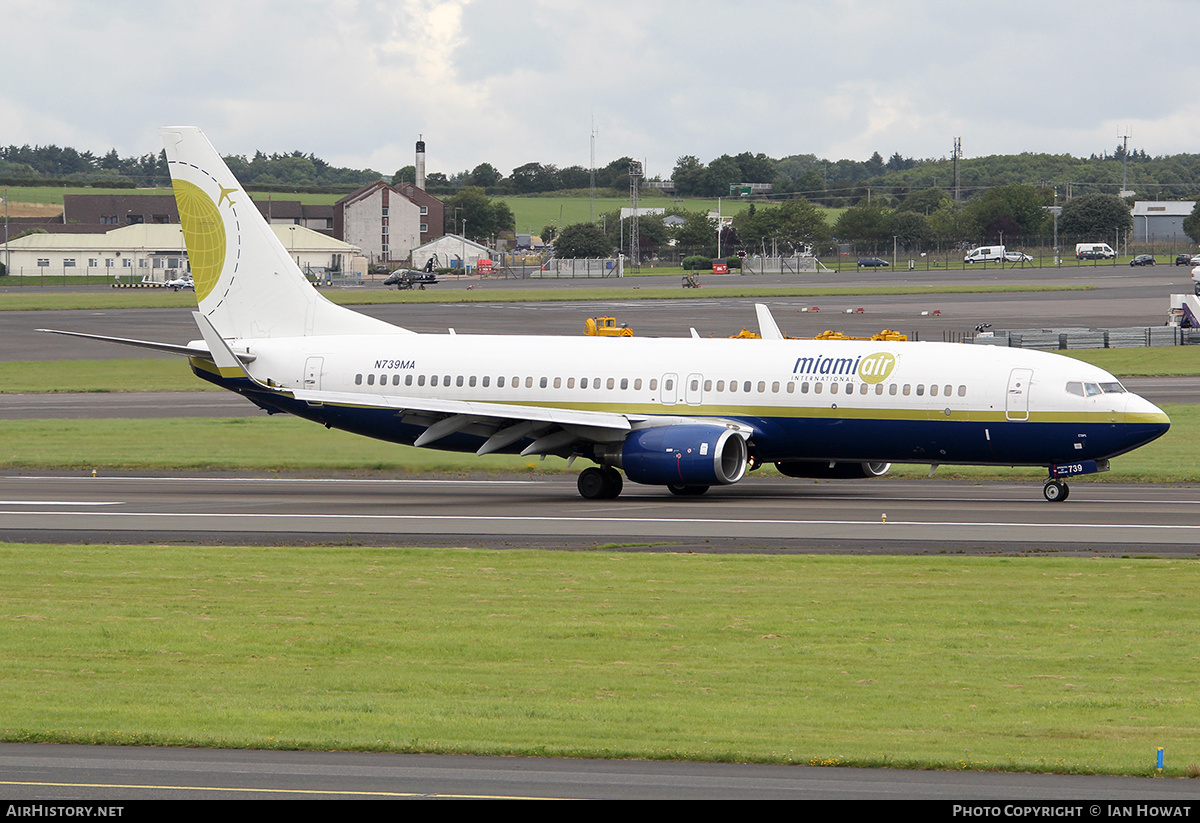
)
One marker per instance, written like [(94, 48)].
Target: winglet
[(767, 327)]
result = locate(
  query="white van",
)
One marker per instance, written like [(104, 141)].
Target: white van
[(985, 254), (1094, 251)]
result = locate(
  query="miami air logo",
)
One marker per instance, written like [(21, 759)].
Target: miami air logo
[(875, 368), (871, 368), (204, 234)]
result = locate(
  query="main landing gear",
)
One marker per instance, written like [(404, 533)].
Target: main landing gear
[(1056, 491), (600, 483)]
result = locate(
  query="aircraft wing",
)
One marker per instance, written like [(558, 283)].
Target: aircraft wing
[(552, 428)]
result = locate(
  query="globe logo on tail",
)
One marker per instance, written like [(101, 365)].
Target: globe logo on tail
[(204, 234)]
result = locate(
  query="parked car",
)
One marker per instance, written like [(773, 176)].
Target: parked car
[(1018, 257), (1093, 254), (1142, 260), (1183, 260), (872, 262)]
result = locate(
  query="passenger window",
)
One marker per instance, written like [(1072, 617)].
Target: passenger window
[(583, 382), (775, 387), (459, 381), (653, 384), (720, 385), (558, 382), (433, 380), (408, 379), (708, 385), (733, 385), (962, 391), (471, 381), (624, 383), (762, 386), (500, 382), (804, 388), (370, 380), (570, 382), (833, 388), (637, 384), (920, 389), (817, 388), (878, 388), (947, 391), (611, 383), (791, 388), (529, 382), (420, 380), (933, 391), (486, 381), (542, 383), (358, 379), (907, 389), (862, 388)]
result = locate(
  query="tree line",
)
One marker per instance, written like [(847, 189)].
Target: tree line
[(832, 183), (1014, 215)]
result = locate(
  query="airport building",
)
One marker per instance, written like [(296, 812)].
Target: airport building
[(447, 250), (1161, 221), (154, 251)]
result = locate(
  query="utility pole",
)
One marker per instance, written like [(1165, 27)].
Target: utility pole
[(957, 155), (592, 201), (1125, 159), (635, 174)]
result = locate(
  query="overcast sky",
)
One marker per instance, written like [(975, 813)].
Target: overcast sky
[(515, 81)]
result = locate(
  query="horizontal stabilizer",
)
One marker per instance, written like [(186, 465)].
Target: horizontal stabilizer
[(169, 348)]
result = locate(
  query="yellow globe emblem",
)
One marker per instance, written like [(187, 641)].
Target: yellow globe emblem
[(204, 234), (875, 368)]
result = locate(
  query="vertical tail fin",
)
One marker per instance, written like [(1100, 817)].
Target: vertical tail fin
[(246, 283)]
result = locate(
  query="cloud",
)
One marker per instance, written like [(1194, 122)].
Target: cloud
[(356, 81)]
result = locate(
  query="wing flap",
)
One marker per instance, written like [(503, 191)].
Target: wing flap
[(477, 411)]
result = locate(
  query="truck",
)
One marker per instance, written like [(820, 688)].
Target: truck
[(1094, 251), (985, 254)]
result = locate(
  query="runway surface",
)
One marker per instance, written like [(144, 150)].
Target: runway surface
[(769, 515), (758, 515), (111, 774)]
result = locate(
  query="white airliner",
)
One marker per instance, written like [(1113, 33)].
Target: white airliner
[(685, 413)]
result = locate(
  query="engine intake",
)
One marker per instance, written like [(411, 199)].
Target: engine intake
[(683, 455)]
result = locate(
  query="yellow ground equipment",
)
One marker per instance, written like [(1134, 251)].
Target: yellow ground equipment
[(606, 327)]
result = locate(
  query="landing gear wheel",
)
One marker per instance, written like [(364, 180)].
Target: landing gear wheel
[(600, 483), (686, 491), (615, 482), (1056, 491)]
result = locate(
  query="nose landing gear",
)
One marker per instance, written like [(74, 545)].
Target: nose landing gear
[(1056, 491)]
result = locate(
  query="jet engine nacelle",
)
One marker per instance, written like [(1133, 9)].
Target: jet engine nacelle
[(826, 469), (688, 455)]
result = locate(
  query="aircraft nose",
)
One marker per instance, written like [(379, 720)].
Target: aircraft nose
[(1144, 421)]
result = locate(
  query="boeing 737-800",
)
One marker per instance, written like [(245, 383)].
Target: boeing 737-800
[(685, 413)]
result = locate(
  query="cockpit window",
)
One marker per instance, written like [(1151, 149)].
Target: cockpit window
[(1091, 389), (1075, 387), (1112, 388)]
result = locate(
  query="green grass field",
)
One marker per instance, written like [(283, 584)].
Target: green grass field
[(496, 291), (1033, 664)]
